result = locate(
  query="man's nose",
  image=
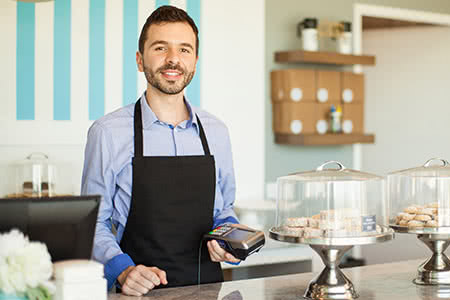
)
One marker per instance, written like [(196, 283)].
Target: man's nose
[(172, 57)]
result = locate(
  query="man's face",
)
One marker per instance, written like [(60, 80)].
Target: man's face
[(169, 57)]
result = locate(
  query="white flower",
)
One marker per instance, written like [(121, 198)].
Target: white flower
[(11, 242), (23, 264)]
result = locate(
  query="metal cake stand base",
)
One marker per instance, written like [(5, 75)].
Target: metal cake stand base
[(436, 270), (331, 283)]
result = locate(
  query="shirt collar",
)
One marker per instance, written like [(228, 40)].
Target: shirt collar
[(149, 117)]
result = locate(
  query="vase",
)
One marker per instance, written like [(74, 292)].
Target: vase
[(11, 297)]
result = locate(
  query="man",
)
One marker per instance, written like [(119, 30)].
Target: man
[(164, 169)]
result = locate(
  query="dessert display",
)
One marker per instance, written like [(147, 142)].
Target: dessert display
[(336, 208), (330, 223), (421, 216), (420, 204), (35, 176)]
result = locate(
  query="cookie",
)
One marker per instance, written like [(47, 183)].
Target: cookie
[(422, 218), (403, 223), (415, 224), (428, 211), (313, 223), (411, 210), (297, 222), (431, 223)]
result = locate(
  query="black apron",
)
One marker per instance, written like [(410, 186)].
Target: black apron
[(171, 207)]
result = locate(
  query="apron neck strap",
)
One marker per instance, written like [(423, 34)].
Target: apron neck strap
[(203, 137), (138, 129), (138, 139)]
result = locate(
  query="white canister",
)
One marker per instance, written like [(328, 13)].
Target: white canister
[(308, 32), (345, 38)]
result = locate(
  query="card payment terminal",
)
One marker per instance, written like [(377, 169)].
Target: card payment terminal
[(237, 241)]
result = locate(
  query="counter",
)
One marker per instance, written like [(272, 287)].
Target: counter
[(375, 282)]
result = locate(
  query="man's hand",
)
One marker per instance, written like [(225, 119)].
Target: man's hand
[(218, 254), (139, 280)]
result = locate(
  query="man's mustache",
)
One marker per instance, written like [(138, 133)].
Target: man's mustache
[(171, 67)]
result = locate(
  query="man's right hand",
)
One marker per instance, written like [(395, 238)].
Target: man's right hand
[(139, 280)]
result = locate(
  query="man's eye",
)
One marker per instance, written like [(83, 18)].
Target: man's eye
[(159, 48), (185, 50)]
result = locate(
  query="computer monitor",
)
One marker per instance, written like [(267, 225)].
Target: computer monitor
[(65, 224)]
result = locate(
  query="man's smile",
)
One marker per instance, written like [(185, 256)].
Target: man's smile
[(171, 74)]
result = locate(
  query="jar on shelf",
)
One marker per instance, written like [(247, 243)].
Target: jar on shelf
[(307, 30), (344, 40)]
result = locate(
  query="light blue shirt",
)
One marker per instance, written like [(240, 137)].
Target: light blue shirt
[(108, 171)]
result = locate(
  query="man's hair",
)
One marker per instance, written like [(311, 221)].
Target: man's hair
[(167, 14)]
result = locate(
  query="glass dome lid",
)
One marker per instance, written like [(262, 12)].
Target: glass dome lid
[(429, 169), (326, 174)]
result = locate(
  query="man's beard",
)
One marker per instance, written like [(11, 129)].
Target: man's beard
[(167, 86)]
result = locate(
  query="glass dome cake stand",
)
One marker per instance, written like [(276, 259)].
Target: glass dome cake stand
[(430, 182), (332, 283), (331, 210)]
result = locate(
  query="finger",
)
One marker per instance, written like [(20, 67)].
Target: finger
[(137, 286), (219, 250), (161, 274), (148, 274), (212, 253), (229, 257), (128, 290), (224, 255), (137, 277)]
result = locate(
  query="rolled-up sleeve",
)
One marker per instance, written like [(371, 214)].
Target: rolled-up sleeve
[(99, 178)]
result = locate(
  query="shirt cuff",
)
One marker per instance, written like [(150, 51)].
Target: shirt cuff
[(229, 220), (115, 266)]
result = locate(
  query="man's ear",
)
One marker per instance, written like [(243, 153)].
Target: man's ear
[(139, 61)]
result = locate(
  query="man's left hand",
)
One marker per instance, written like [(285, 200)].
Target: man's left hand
[(218, 254)]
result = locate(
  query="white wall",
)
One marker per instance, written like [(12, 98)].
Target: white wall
[(232, 88), (407, 107), (407, 98)]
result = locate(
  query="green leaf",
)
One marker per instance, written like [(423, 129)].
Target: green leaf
[(38, 293)]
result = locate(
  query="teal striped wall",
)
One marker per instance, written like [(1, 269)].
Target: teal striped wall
[(25, 61), (62, 53)]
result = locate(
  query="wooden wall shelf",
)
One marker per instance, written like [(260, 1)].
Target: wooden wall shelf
[(324, 139), (334, 58)]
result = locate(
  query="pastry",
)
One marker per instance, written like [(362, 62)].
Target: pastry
[(403, 223), (415, 224), (313, 223), (428, 211), (297, 222), (411, 210), (432, 223), (409, 217), (422, 218)]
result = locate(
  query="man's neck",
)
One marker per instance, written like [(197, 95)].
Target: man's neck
[(170, 109)]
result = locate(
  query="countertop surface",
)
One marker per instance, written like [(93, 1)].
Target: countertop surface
[(375, 282)]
